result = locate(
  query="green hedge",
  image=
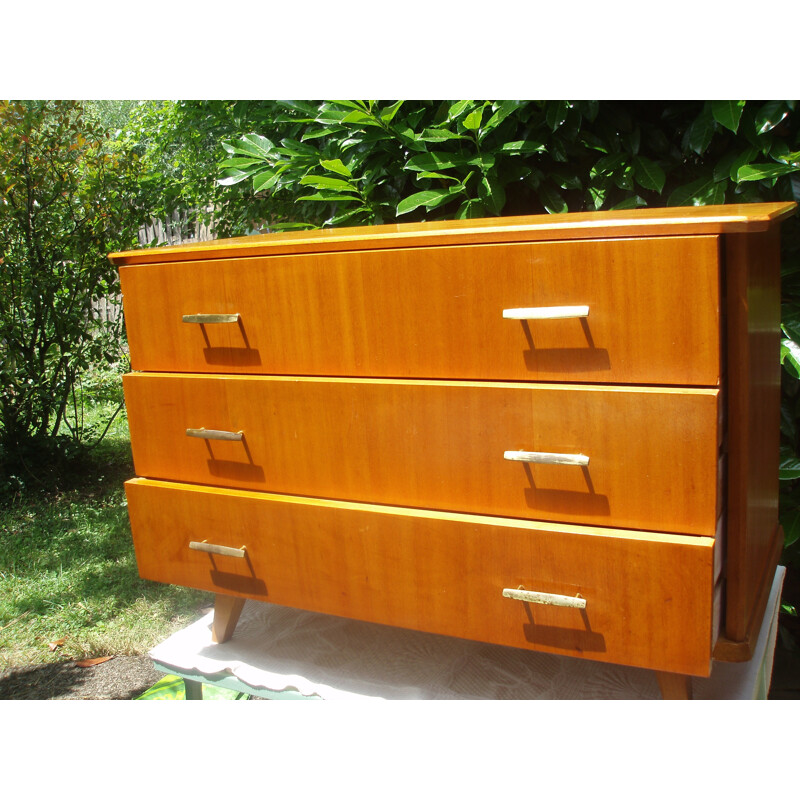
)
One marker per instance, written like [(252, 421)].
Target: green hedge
[(371, 162)]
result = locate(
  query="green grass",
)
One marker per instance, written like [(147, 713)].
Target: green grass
[(68, 571)]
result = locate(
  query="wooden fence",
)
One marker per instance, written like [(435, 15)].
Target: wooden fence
[(181, 228)]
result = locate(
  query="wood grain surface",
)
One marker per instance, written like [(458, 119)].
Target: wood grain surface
[(438, 313), (693, 220), (653, 452), (753, 386), (648, 596)]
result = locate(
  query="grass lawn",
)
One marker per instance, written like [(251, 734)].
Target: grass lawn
[(68, 572)]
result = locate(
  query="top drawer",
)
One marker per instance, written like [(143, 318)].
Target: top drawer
[(438, 312)]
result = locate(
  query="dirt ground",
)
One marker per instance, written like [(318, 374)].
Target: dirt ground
[(121, 678)]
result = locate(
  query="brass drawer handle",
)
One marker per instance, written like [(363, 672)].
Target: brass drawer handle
[(218, 549), (545, 599), (210, 319), (573, 459), (546, 312), (224, 436)]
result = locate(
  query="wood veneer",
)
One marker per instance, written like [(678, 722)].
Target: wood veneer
[(361, 440), (437, 313), (377, 384), (439, 572)]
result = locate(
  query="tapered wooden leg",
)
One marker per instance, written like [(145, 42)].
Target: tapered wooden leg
[(226, 615), (674, 686)]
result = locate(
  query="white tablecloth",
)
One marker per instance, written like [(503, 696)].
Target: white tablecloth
[(280, 649)]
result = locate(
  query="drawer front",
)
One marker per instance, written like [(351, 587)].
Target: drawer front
[(648, 597), (652, 313), (652, 453)]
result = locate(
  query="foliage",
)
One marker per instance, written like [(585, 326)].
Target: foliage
[(64, 204), (177, 143), (367, 162), (370, 162)]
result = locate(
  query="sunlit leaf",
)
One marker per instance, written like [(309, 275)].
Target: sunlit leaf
[(473, 120), (759, 172), (522, 147), (324, 182), (770, 115), (458, 108), (728, 113), (790, 356), (335, 165), (430, 198)]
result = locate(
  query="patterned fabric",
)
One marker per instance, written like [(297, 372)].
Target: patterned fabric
[(171, 687)]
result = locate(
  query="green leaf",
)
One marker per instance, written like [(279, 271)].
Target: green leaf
[(553, 202), (649, 174), (430, 198), (790, 357), (790, 522), (700, 132), (266, 180), (728, 113), (335, 165), (789, 468), (329, 197), (256, 145), (438, 135), (790, 319), (770, 115), (492, 194), (352, 104), (360, 118), (597, 196), (470, 209), (504, 108), (630, 202), (473, 120), (431, 162), (388, 114), (608, 165), (240, 162), (759, 172), (702, 192), (437, 175), (457, 109), (556, 113), (745, 157), (323, 182), (231, 177), (522, 147)]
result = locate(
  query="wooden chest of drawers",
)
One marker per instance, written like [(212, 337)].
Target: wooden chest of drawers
[(556, 433)]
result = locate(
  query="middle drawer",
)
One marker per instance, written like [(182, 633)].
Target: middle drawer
[(644, 457)]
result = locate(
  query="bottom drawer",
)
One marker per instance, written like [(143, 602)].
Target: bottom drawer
[(648, 596)]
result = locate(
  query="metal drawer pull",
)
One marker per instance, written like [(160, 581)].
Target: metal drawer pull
[(546, 312), (574, 459), (218, 549), (545, 599), (210, 319), (225, 436)]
